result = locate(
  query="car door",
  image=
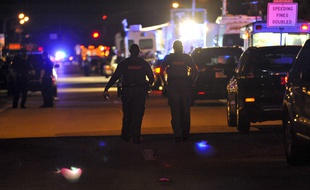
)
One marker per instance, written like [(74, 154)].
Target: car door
[(300, 87), (237, 78)]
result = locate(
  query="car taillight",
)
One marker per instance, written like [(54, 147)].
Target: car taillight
[(284, 80), (249, 99)]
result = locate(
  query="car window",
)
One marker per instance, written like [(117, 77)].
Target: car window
[(213, 57), (242, 62), (276, 60), (301, 65)]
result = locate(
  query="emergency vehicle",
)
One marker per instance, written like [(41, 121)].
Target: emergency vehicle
[(187, 25), (228, 29), (259, 34), (96, 59)]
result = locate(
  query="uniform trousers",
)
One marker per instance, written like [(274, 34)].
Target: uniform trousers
[(133, 105), (179, 100), (21, 87), (47, 92)]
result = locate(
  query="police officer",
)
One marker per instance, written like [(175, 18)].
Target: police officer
[(19, 71), (46, 81), (181, 74), (133, 71)]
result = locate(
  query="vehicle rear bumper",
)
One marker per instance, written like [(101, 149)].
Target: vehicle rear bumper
[(264, 113), (210, 92)]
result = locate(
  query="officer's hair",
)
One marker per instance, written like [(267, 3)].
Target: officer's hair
[(134, 49)]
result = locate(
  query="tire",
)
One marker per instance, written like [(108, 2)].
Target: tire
[(295, 151), (243, 123), (231, 117)]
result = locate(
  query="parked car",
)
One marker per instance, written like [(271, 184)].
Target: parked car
[(256, 90), (216, 66), (158, 84), (296, 109), (35, 58)]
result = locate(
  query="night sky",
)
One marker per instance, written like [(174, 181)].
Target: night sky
[(76, 19)]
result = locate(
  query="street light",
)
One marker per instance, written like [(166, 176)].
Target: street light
[(22, 19), (175, 5)]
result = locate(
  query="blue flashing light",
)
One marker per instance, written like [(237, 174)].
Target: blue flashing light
[(202, 148), (59, 55)]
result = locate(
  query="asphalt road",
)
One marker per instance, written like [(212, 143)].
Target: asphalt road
[(76, 145)]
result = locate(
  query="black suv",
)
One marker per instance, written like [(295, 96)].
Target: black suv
[(256, 90), (216, 66), (296, 109)]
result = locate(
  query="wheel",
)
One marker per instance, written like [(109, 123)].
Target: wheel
[(295, 151), (231, 117), (243, 123)]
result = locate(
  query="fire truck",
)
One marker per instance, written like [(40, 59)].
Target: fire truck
[(259, 34)]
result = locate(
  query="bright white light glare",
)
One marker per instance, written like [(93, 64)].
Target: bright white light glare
[(60, 55), (72, 174), (189, 30)]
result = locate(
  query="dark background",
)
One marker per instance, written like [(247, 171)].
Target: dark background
[(74, 20)]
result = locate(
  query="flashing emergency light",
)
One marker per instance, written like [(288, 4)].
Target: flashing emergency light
[(258, 27), (59, 55), (96, 35), (189, 30), (304, 27), (104, 17)]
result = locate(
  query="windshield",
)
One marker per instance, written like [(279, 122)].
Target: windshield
[(276, 59), (216, 56)]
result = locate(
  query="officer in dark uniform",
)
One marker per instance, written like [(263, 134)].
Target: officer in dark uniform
[(20, 70), (133, 71), (46, 81), (181, 74)]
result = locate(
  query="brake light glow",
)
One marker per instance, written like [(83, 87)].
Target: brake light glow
[(157, 70), (304, 27), (201, 93), (284, 80), (249, 99)]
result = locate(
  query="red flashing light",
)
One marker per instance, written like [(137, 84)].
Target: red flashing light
[(258, 27), (40, 49), (284, 80), (304, 27), (104, 17)]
